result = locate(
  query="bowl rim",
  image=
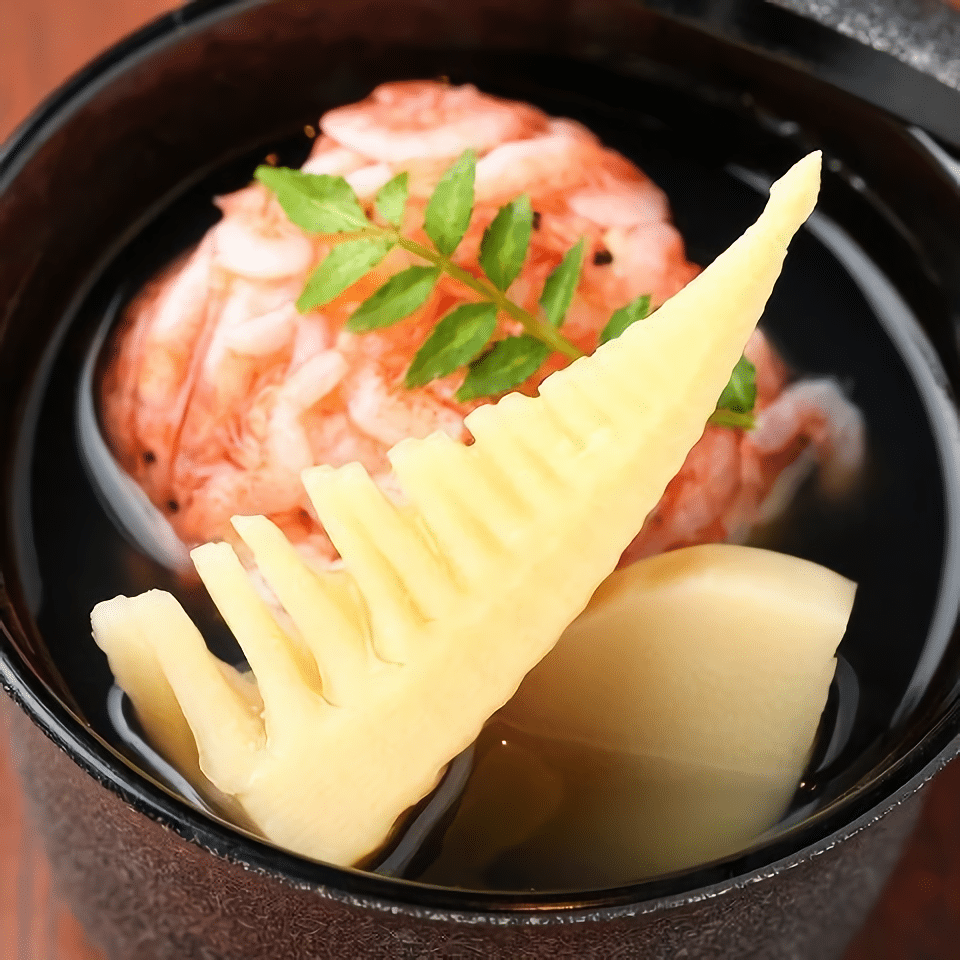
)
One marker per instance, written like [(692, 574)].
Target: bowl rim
[(935, 749), (912, 96)]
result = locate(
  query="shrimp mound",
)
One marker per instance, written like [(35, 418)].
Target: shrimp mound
[(219, 393)]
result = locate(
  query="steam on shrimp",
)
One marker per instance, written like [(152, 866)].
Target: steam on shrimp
[(219, 392)]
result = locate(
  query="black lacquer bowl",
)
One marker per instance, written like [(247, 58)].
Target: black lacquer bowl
[(113, 176)]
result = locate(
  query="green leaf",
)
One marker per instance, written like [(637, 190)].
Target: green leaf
[(317, 203), (449, 209), (740, 394), (455, 341), (505, 242), (403, 293), (624, 317), (392, 199), (345, 264), (561, 285), (504, 367), (727, 418)]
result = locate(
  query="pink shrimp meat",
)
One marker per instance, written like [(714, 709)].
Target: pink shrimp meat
[(218, 392)]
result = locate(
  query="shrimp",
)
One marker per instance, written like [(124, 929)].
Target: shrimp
[(219, 392), (421, 120), (733, 480)]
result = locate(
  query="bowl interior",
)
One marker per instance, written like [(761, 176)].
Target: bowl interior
[(867, 296)]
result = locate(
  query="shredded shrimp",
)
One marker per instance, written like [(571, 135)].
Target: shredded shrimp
[(735, 479), (219, 392), (420, 120)]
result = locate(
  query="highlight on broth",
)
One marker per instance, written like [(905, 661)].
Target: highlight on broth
[(369, 678)]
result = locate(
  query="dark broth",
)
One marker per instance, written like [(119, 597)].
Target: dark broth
[(706, 154)]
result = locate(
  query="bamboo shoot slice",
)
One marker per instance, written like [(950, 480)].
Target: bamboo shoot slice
[(710, 666), (333, 773)]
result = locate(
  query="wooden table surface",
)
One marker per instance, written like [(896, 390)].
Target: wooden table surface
[(41, 43)]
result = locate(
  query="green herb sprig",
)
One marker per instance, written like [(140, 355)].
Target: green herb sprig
[(326, 206)]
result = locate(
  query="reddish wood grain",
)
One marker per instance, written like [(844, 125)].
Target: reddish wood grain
[(41, 43), (44, 41)]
